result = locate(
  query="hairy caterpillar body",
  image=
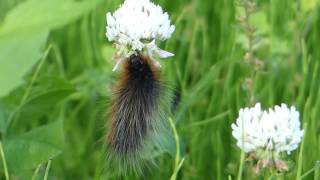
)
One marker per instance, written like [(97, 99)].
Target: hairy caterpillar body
[(134, 107)]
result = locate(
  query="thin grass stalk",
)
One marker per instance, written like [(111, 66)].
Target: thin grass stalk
[(300, 160), (35, 173), (47, 170), (14, 115), (317, 170), (178, 163), (5, 168)]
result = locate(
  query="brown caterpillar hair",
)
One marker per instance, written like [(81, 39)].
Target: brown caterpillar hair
[(136, 103)]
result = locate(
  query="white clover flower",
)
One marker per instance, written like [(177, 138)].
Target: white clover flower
[(136, 25), (276, 130)]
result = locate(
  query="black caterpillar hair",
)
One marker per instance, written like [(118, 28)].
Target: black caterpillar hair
[(134, 108)]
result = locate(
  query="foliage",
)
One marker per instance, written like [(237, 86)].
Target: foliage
[(56, 82)]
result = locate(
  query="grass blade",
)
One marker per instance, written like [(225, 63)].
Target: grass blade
[(5, 168)]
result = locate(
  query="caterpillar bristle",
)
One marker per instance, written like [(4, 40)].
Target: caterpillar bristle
[(134, 108)]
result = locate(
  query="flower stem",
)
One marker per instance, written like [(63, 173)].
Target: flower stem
[(242, 158), (178, 163)]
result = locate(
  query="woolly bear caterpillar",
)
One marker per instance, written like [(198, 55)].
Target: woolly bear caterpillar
[(134, 108), (137, 106)]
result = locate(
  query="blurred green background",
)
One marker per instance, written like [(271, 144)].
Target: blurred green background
[(56, 82)]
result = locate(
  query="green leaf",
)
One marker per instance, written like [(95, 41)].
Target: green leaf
[(17, 56), (4, 114), (43, 103), (28, 150), (43, 15), (158, 144), (19, 52), (44, 96), (24, 32)]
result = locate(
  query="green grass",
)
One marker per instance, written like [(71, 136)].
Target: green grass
[(56, 82)]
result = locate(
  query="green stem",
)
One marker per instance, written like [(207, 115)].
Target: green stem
[(4, 162), (36, 172), (307, 173), (299, 171), (317, 170), (47, 170), (34, 76), (242, 158), (14, 114), (176, 138), (178, 163)]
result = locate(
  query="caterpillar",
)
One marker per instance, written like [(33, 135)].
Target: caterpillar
[(137, 104), (135, 107)]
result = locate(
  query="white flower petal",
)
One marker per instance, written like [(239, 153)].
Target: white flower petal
[(139, 21), (277, 129), (164, 54), (120, 61)]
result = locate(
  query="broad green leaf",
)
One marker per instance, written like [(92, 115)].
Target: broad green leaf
[(20, 37), (43, 103), (28, 150), (47, 95), (4, 114), (17, 56), (43, 15), (43, 98)]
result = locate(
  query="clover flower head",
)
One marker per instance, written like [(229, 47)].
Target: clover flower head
[(277, 130), (265, 134), (136, 26)]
